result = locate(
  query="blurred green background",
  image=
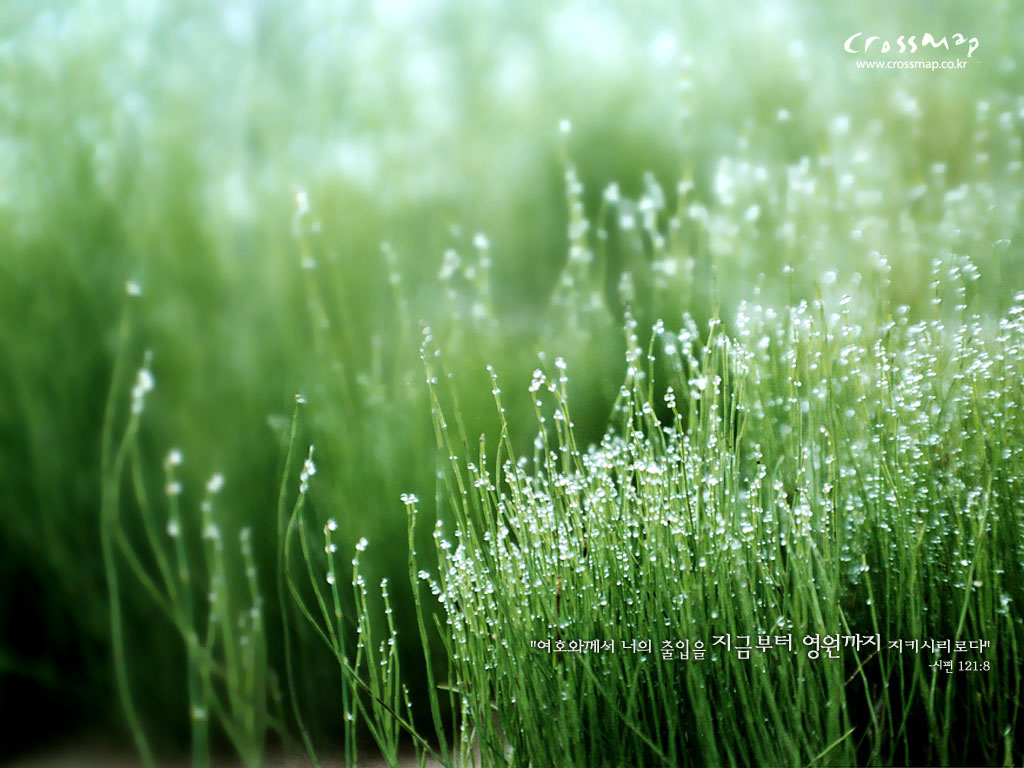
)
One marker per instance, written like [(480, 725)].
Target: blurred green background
[(297, 186)]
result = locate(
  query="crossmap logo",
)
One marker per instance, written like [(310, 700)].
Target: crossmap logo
[(857, 43)]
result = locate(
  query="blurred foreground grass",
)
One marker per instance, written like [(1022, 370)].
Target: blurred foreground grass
[(295, 187)]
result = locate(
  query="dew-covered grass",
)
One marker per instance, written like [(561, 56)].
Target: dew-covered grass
[(803, 477), (722, 336)]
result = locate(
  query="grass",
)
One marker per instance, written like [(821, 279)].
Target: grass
[(789, 489), (225, 645), (814, 472), (829, 258)]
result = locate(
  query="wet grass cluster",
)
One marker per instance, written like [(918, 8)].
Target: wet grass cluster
[(805, 477)]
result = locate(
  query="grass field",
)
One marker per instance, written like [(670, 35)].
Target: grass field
[(350, 352)]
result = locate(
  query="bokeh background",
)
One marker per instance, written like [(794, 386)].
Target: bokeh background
[(295, 187)]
